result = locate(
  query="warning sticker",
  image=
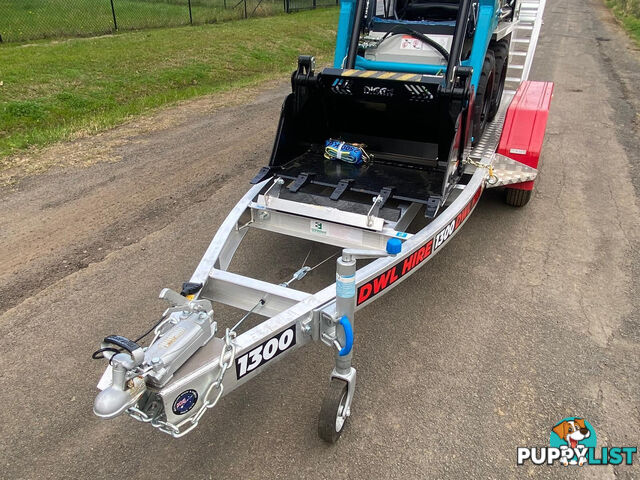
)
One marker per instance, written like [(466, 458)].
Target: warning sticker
[(410, 43), (345, 286)]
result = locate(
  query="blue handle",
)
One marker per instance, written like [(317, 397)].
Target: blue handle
[(348, 336)]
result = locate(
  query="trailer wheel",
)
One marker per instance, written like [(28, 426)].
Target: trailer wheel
[(482, 103), (501, 55), (517, 198), (332, 415)]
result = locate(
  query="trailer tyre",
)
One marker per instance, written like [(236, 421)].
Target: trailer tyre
[(332, 416), (501, 56), (517, 198), (482, 103)]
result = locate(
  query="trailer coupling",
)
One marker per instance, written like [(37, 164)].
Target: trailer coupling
[(135, 374)]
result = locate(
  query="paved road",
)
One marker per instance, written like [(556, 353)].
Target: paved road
[(526, 317)]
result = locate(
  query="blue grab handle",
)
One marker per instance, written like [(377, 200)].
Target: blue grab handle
[(348, 336)]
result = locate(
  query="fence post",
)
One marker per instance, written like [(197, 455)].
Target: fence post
[(314, 4), (245, 9), (113, 12), (190, 16)]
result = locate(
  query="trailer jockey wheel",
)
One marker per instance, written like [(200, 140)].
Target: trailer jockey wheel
[(501, 56), (482, 103), (332, 415)]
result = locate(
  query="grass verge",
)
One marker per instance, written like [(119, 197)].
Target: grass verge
[(58, 90), (628, 13), (23, 20)]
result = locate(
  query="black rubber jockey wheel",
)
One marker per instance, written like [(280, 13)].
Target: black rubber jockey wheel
[(332, 415), (517, 198), (501, 55), (482, 103)]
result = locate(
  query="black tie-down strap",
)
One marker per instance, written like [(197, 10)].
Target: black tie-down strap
[(343, 186), (263, 174), (385, 193), (432, 207), (300, 181)]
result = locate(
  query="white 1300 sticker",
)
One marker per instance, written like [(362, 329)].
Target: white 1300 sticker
[(265, 351)]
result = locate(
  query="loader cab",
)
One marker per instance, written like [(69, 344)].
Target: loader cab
[(382, 24), (415, 32), (417, 10)]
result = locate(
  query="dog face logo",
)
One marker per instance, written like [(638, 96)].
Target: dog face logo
[(573, 436), (572, 431)]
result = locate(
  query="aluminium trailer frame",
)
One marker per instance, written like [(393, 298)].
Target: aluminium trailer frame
[(308, 317), (294, 318)]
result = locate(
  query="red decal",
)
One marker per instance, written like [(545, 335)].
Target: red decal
[(408, 264), (364, 292), (381, 282), (427, 248), (463, 214), (476, 197), (394, 276), (395, 273)]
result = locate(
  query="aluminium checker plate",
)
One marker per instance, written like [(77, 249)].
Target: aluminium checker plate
[(507, 171)]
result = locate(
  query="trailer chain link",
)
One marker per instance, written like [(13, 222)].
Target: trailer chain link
[(493, 179), (166, 427)]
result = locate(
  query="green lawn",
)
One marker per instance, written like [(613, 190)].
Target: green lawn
[(53, 90), (628, 12), (22, 20)]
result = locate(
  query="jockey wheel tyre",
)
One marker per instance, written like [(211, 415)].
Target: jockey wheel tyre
[(332, 416)]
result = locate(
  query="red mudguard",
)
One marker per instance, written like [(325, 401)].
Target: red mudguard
[(525, 124)]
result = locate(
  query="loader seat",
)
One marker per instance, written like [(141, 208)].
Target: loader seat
[(428, 9)]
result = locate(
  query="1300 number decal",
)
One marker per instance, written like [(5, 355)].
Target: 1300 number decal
[(265, 351)]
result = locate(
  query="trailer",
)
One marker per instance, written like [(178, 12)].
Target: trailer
[(427, 105)]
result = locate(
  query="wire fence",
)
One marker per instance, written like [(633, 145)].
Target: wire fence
[(296, 5), (23, 20)]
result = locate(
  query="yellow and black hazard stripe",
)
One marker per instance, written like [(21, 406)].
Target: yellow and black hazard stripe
[(403, 77)]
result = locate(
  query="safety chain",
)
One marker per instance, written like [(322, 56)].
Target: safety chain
[(493, 179), (174, 431)]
